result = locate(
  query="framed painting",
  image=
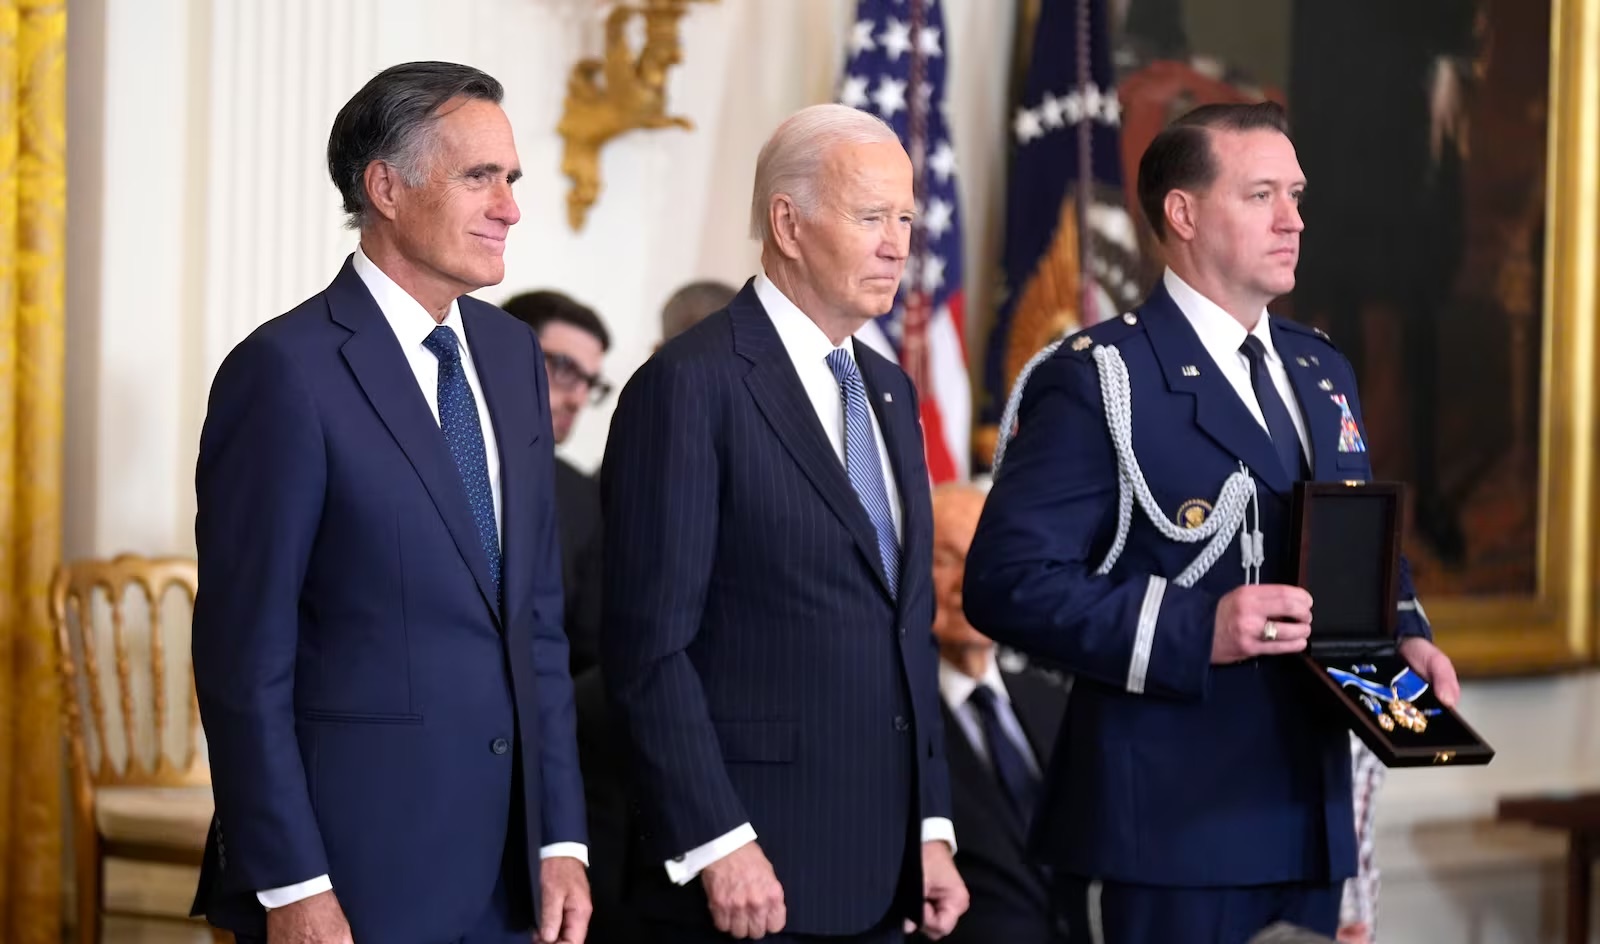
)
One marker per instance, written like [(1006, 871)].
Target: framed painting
[(1452, 149)]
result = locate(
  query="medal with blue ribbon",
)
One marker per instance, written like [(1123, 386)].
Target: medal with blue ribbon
[(1391, 704)]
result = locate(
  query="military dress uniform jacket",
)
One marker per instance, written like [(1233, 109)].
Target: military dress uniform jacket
[(1169, 770)]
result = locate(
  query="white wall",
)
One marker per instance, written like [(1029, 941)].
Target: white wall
[(199, 207)]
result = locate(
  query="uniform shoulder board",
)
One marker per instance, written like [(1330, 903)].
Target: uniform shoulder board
[(1306, 330), (1109, 331)]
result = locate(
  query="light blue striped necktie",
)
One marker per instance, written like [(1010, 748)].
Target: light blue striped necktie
[(458, 419), (861, 462)]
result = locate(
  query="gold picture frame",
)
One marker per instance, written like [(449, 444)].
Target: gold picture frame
[(1555, 626)]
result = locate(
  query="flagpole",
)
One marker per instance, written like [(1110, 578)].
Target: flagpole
[(1085, 186), (914, 323)]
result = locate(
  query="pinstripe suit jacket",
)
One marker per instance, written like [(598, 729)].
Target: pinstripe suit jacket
[(760, 666)]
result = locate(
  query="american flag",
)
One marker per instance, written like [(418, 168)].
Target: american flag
[(895, 68)]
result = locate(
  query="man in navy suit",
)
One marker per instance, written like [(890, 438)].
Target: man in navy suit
[(1194, 795), (768, 603), (1000, 728), (378, 646)]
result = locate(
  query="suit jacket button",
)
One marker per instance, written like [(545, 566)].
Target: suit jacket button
[(500, 745), (901, 724), (902, 632)]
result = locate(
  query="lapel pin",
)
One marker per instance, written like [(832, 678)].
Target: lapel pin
[(888, 397), (1324, 384), (1081, 342), (1301, 361), (1189, 370)]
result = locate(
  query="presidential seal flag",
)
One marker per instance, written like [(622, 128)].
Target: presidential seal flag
[(1071, 248), (895, 68)]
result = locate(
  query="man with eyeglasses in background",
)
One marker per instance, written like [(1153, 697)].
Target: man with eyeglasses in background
[(575, 342)]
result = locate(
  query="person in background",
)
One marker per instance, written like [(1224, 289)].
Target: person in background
[(690, 304), (999, 729), (575, 342)]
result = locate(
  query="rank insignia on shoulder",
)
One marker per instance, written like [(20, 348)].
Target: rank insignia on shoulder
[(1189, 370), (1322, 334), (1082, 342), (1324, 384), (1302, 362), (1193, 513)]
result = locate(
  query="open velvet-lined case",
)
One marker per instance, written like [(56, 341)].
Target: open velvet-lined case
[(1346, 549)]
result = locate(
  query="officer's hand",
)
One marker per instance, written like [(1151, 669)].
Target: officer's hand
[(1260, 620)]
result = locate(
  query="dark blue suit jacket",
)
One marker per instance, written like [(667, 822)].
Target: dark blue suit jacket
[(1213, 775), (364, 696), (760, 667)]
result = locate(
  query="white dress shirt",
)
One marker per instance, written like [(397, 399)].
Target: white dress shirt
[(1222, 336), (412, 324), (809, 348), (957, 688)]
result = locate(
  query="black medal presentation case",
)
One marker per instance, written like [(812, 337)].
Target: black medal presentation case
[(1346, 554)]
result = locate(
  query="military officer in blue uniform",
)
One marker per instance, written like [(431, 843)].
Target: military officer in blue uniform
[(1136, 536)]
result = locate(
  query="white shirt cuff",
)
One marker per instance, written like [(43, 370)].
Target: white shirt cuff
[(572, 850), (939, 829), (684, 868), (289, 894)]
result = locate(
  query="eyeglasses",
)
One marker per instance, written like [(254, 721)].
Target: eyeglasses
[(565, 374)]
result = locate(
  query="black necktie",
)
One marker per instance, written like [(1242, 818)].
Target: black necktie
[(1279, 426), (1010, 767)]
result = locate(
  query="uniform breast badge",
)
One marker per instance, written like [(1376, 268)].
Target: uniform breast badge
[(1349, 433), (1193, 513)]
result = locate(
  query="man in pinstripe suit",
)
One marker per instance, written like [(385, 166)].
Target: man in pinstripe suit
[(768, 599)]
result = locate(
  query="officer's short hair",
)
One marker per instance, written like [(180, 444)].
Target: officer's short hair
[(1180, 157)]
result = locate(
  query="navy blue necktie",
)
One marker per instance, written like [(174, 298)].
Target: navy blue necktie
[(861, 462), (458, 418), (1279, 425), (1010, 767)]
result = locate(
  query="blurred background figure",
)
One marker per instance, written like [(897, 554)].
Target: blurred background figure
[(999, 727), (689, 304), (575, 342)]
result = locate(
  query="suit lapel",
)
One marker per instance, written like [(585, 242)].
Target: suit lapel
[(374, 355), (1317, 407), (504, 378), (777, 391), (904, 445), (1218, 410)]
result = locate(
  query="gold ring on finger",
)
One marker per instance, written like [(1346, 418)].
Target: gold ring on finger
[(1269, 632)]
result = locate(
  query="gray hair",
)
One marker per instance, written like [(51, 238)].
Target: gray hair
[(391, 120), (790, 162), (690, 304)]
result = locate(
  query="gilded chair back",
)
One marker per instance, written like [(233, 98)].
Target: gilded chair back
[(113, 696)]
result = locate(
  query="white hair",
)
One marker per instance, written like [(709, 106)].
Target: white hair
[(790, 162)]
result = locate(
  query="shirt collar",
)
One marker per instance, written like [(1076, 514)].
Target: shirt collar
[(956, 686), (801, 337), (1220, 333), (411, 322)]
